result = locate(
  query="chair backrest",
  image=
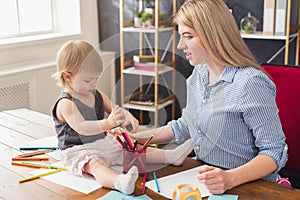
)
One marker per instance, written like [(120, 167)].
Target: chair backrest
[(287, 81)]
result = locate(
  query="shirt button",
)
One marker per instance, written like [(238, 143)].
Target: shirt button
[(197, 147)]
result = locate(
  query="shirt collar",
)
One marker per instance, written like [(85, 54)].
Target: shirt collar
[(228, 73), (226, 76)]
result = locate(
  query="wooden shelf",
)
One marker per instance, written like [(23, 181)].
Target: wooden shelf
[(152, 44), (146, 30), (147, 108), (133, 71), (260, 35)]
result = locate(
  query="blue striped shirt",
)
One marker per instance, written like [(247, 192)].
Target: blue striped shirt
[(233, 119)]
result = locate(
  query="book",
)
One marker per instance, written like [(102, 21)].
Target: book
[(142, 100), (141, 103), (280, 20), (144, 58), (269, 17), (147, 66)]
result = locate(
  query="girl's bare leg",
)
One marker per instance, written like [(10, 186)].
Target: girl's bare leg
[(108, 178)]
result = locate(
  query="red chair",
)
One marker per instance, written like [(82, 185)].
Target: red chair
[(287, 81)]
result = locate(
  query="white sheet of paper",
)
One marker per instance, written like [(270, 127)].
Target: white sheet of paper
[(168, 183), (65, 178), (50, 141)]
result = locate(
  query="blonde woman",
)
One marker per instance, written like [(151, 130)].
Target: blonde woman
[(81, 127), (231, 113)]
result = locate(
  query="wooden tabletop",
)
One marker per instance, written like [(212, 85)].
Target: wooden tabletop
[(17, 127)]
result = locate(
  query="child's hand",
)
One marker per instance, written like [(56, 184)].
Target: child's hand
[(116, 117), (116, 131), (131, 121)]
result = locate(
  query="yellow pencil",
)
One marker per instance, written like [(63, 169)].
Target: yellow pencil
[(39, 175)]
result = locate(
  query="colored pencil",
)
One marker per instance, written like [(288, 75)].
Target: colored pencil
[(33, 165), (146, 144), (36, 165), (135, 144), (39, 175), (38, 148), (39, 152), (128, 140), (156, 182), (144, 183), (121, 142), (19, 158)]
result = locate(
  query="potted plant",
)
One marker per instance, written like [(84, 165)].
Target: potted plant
[(248, 24), (138, 19), (162, 16), (146, 19)]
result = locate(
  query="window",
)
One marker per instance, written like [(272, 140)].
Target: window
[(37, 45), (25, 17)]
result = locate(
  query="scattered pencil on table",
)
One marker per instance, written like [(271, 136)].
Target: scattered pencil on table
[(36, 165), (39, 152), (38, 148), (39, 175), (20, 158), (156, 182)]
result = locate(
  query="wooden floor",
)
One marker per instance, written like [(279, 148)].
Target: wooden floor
[(18, 127)]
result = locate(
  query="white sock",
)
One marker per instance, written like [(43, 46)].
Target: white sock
[(177, 156), (126, 182)]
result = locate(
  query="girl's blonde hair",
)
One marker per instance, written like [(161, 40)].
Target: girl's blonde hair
[(76, 55), (218, 31)]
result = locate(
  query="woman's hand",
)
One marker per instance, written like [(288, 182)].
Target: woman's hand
[(215, 179)]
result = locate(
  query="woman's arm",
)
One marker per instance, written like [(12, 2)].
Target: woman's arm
[(162, 135)]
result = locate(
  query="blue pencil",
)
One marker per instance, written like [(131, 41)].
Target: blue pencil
[(38, 148), (156, 182)]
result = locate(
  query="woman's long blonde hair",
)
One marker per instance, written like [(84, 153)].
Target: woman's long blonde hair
[(218, 31), (75, 55)]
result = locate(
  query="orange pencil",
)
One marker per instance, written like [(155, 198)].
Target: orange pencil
[(40, 152), (29, 164), (128, 140)]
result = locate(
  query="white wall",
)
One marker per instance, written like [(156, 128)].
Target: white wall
[(33, 61)]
